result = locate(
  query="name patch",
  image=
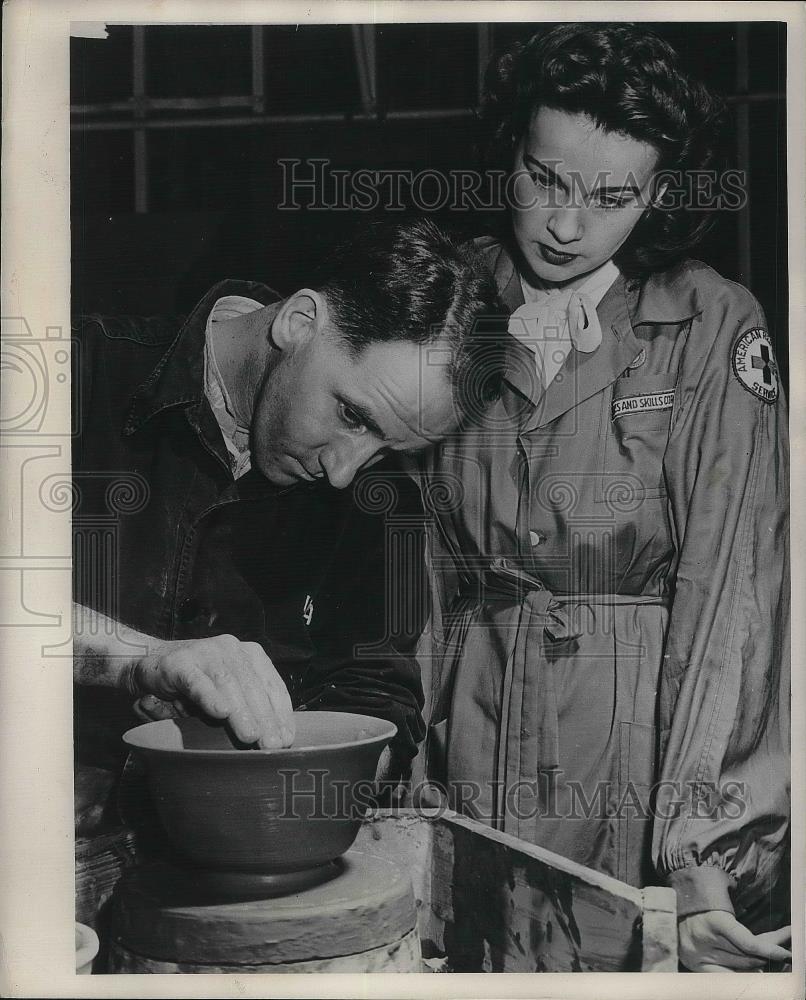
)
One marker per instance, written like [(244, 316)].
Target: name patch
[(754, 364), (643, 403)]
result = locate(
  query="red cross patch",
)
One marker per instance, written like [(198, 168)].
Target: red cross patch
[(754, 364)]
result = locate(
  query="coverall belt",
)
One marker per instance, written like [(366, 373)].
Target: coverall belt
[(529, 727)]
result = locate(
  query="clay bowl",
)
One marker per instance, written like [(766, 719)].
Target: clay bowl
[(270, 811)]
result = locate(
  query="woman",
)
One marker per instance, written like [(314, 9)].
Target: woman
[(610, 675)]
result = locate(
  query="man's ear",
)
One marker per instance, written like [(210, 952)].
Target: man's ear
[(301, 316)]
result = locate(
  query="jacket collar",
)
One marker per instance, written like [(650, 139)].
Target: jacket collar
[(669, 297), (584, 375), (178, 379)]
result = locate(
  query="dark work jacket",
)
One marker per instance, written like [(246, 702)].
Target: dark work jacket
[(168, 543)]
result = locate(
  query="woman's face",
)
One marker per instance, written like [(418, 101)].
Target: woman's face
[(577, 195)]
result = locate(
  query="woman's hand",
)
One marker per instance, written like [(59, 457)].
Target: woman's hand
[(715, 941)]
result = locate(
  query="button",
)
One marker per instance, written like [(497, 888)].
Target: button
[(536, 538), (189, 609), (639, 360)]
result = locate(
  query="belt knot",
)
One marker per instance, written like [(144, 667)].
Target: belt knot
[(505, 580)]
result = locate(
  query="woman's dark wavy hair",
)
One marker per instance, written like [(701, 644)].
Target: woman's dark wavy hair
[(627, 80)]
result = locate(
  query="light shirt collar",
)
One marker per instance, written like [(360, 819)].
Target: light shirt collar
[(595, 285), (236, 436)]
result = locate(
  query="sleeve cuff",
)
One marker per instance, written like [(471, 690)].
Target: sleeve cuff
[(700, 888)]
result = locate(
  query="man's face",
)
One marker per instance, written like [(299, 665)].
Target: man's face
[(582, 190), (322, 412)]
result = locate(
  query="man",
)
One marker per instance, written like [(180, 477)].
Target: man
[(221, 563)]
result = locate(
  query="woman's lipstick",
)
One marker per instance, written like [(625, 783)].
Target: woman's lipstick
[(556, 257)]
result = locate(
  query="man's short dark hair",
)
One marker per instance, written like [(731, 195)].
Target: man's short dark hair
[(627, 80), (410, 281)]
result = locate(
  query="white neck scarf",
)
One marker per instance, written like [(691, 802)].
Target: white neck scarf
[(553, 321)]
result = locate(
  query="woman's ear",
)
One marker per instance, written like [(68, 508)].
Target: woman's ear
[(656, 201), (301, 316)]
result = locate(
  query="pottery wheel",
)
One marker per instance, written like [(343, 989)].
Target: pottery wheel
[(351, 905)]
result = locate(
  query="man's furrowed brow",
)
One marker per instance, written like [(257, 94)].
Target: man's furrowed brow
[(365, 416)]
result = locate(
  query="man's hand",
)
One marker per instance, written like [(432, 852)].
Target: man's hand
[(224, 678), (715, 941)]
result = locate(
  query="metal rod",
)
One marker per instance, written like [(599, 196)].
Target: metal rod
[(146, 104), (140, 148), (743, 151), (360, 54), (372, 64), (102, 107), (484, 36), (258, 71), (237, 101), (430, 114), (758, 98)]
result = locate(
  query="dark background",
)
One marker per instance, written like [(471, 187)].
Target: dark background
[(177, 130)]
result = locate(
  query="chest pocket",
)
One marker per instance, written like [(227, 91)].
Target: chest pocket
[(635, 430)]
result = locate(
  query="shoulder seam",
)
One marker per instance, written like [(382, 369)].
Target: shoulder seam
[(147, 331), (741, 291)]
